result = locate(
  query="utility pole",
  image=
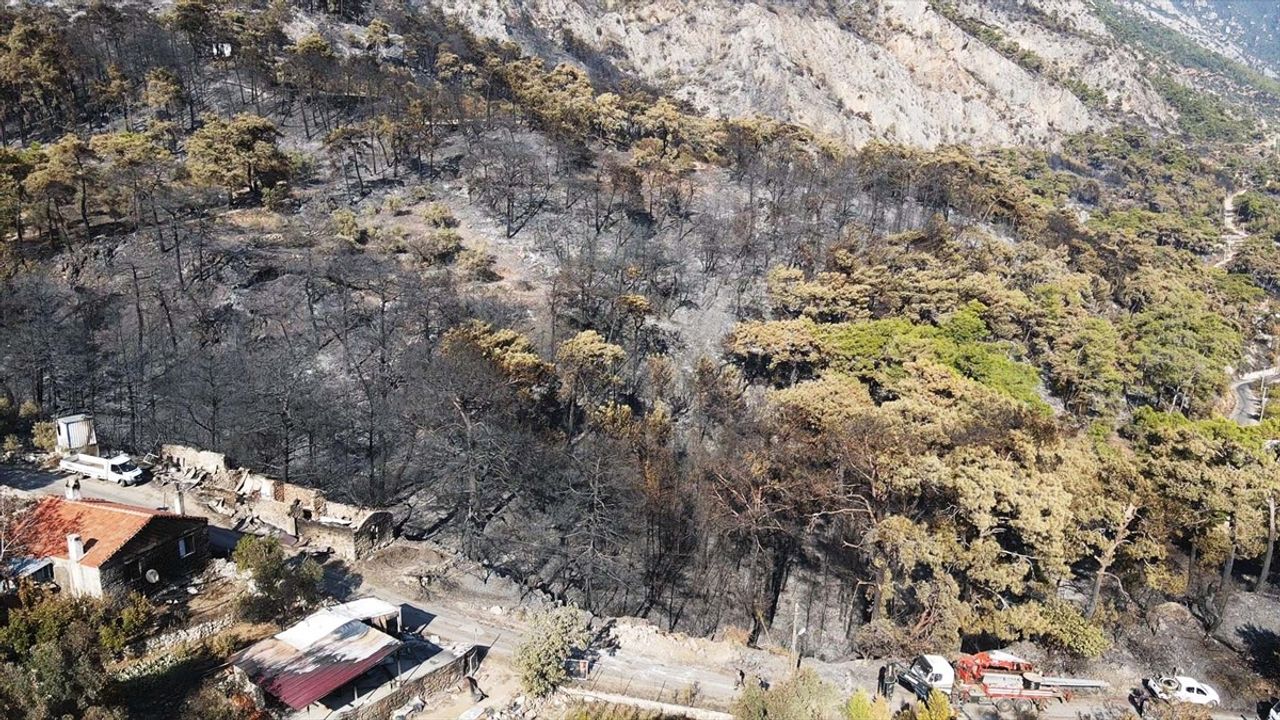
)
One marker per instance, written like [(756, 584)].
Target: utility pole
[(796, 631)]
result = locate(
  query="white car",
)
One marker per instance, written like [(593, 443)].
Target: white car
[(1180, 688)]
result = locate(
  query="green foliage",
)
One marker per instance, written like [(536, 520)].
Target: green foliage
[(1054, 624), (1259, 212), (934, 707), (1201, 115), (437, 246), (552, 637), (81, 634), (239, 154), (1130, 28), (793, 349), (346, 225), (803, 696), (280, 587), (44, 436), (438, 215), (862, 706), (1180, 351)]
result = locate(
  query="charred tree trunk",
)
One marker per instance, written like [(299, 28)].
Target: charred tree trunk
[(1265, 573)]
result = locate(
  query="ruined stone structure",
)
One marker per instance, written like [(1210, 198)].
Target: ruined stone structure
[(352, 532)]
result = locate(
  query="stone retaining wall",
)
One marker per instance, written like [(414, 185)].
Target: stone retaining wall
[(430, 683)]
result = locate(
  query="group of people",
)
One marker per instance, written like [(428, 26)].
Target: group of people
[(888, 683)]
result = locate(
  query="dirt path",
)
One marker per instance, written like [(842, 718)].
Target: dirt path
[(1232, 235), (1246, 405)]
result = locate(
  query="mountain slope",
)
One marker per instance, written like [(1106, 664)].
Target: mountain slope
[(1247, 31), (897, 70)]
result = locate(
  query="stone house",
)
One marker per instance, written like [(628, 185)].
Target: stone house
[(98, 547)]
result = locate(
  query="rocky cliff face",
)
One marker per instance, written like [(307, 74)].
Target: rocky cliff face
[(897, 70)]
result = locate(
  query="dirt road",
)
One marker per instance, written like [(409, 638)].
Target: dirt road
[(1232, 235), (629, 671), (1246, 404), (643, 675)]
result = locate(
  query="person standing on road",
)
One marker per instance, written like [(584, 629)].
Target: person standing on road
[(889, 681)]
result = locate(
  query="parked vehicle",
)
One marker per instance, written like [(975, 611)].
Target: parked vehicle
[(119, 469), (1180, 688), (997, 678)]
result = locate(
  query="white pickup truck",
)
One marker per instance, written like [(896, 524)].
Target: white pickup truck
[(119, 469)]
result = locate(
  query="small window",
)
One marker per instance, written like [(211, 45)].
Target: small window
[(184, 547)]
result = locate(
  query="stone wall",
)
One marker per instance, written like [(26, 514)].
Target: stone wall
[(188, 635), (430, 683), (352, 541), (210, 462)]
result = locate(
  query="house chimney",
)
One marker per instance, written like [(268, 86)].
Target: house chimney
[(75, 548), (180, 502)]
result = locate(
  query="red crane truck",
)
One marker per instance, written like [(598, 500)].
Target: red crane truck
[(996, 678)]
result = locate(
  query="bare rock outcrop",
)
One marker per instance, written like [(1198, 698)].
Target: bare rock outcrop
[(896, 70)]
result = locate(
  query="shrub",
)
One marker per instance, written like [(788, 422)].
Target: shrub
[(802, 696), (438, 246), (12, 443), (554, 634), (935, 707), (44, 435), (864, 707), (224, 644), (345, 224), (279, 585), (278, 197), (438, 215), (477, 264)]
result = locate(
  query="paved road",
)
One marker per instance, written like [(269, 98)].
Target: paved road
[(46, 482)]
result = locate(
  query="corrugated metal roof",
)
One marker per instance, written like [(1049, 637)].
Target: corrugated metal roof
[(320, 624), (301, 677)]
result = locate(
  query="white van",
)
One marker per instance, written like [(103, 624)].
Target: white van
[(119, 469)]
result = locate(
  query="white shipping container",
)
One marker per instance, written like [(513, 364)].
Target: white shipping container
[(76, 434)]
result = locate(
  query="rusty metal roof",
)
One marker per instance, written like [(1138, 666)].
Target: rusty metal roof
[(300, 677)]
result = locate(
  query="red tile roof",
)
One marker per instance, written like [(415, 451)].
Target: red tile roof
[(104, 527)]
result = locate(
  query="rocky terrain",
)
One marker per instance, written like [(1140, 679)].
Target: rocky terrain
[(1244, 30), (906, 71)]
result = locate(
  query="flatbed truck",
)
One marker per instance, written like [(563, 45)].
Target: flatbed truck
[(996, 678)]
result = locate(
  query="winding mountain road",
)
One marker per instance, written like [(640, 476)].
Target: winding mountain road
[(1247, 403), (1232, 235)]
